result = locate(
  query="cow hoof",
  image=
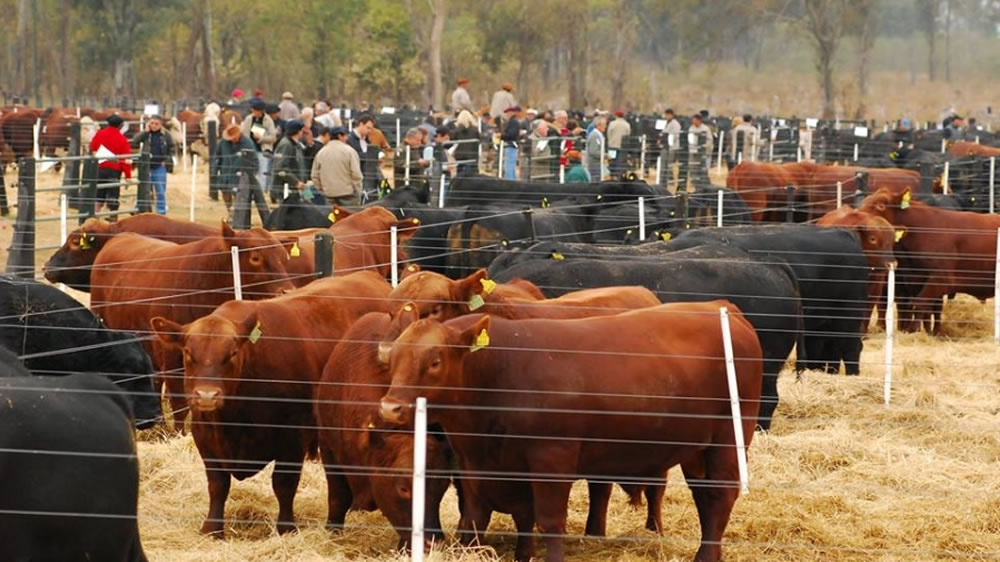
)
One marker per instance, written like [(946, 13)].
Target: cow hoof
[(213, 530), (285, 528)]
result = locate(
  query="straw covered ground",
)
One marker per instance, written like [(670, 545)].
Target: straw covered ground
[(841, 477)]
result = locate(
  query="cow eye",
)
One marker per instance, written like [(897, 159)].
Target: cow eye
[(436, 363), (255, 258)]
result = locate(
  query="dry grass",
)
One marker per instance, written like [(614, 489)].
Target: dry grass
[(841, 477)]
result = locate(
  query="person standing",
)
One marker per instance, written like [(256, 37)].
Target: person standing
[(236, 99), (700, 149), (419, 159), (541, 155), (593, 157), (262, 133), (289, 111), (159, 145), (336, 172), (502, 100), (358, 140), (670, 144), (466, 151), (110, 169), (744, 140), (460, 100), (576, 173), (510, 137), (954, 131), (617, 131), (289, 164), (235, 155)]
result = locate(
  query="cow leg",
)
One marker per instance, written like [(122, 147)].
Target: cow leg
[(654, 506), (551, 501), (768, 395), (524, 521), (284, 482), (714, 503), (475, 518), (599, 494), (338, 493), (4, 208), (171, 375), (219, 481)]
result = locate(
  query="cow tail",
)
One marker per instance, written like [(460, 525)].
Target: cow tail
[(800, 325)]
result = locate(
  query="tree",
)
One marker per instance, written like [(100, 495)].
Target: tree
[(927, 12), (428, 27), (823, 21), (624, 18), (866, 20)]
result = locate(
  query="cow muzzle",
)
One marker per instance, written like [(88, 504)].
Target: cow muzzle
[(206, 399), (392, 411)]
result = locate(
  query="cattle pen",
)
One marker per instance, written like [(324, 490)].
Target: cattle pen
[(841, 475)]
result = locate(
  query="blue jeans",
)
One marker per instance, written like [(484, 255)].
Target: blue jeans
[(158, 177), (510, 162)]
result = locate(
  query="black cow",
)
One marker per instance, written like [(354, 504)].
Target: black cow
[(56, 335), (482, 190), (767, 293), (833, 277), (295, 213), (11, 366), (69, 476)]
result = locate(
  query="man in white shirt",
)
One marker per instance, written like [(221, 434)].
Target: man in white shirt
[(460, 98)]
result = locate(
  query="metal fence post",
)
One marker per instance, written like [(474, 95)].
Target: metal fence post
[(212, 138), (21, 258), (71, 174), (790, 203), (88, 189), (324, 254), (144, 202)]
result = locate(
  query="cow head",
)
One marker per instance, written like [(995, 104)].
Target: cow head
[(440, 298), (215, 350), (391, 450), (263, 259), (426, 360), (889, 205), (401, 319), (72, 263), (877, 235)]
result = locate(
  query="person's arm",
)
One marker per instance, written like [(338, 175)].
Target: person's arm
[(270, 132), (356, 172), (139, 139), (316, 173)]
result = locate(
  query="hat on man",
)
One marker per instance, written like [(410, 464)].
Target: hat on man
[(232, 131), (513, 108), (258, 93), (574, 156), (294, 126), (619, 113), (258, 105), (337, 131), (237, 93), (272, 108), (508, 86), (287, 96), (462, 81), (115, 120)]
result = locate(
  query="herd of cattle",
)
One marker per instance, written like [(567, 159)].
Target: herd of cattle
[(549, 350)]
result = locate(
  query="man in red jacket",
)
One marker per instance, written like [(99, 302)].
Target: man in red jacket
[(110, 168)]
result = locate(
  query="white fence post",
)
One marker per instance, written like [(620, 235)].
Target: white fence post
[(184, 146), (993, 169), (719, 209), (996, 294), (36, 131), (944, 179), (562, 172), (399, 139), (890, 331), (419, 481), (642, 218), (441, 192), (944, 144), (734, 401), (284, 191), (237, 279), (406, 171), (63, 214), (642, 158), (855, 152), (659, 168), (194, 174), (840, 194), (722, 141), (394, 258)]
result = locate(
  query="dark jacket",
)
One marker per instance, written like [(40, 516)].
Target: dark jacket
[(289, 164), (466, 152), (159, 146), (511, 131), (229, 161)]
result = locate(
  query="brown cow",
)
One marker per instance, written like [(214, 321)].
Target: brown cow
[(361, 241), (55, 131), (877, 239), (624, 396), (17, 129), (192, 119), (763, 186), (249, 372), (136, 278), (821, 189), (440, 298), (369, 464), (71, 264), (962, 149), (944, 251)]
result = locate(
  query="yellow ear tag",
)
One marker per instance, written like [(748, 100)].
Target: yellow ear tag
[(411, 268), (482, 340), (332, 217), (408, 308), (255, 334), (545, 202), (666, 236), (600, 197), (476, 302), (295, 251), (905, 203), (504, 243), (899, 235), (628, 233), (371, 425), (488, 285), (557, 256), (84, 243), (416, 221)]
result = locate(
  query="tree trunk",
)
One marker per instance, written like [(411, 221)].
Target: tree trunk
[(36, 67), (947, 42), (826, 81), (577, 63), (930, 55), (440, 10), (192, 47), (124, 21), (21, 48), (66, 66), (623, 50), (207, 52), (869, 31)]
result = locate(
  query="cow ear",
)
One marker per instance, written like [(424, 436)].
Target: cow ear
[(170, 333), (371, 434), (228, 234), (469, 288), (291, 246), (406, 228), (406, 315), (249, 330), (477, 336), (411, 269), (339, 213), (899, 234)]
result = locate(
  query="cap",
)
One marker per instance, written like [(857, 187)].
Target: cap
[(574, 155), (237, 93), (287, 96), (257, 92), (336, 131), (508, 86), (293, 126), (463, 81), (232, 130), (619, 113), (532, 110), (115, 120), (272, 108), (514, 108), (258, 105)]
